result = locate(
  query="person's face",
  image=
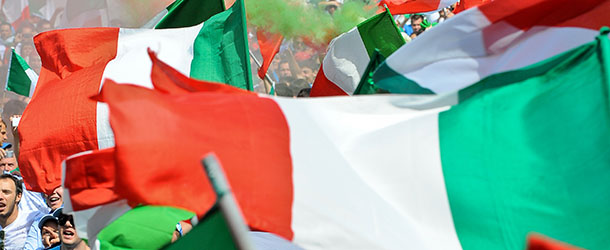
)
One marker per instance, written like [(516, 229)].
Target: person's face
[(8, 164), (49, 233), (55, 200), (27, 50), (308, 74), (3, 135), (8, 197), (5, 31), (285, 70), (416, 24), (67, 231)]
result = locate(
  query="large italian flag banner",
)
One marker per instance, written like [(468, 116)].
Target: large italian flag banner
[(491, 38), (76, 61), (519, 152)]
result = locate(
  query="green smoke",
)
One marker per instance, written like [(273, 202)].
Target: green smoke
[(293, 18)]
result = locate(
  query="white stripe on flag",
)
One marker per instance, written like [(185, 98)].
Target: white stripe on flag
[(397, 199), (33, 80), (346, 60), (132, 64)]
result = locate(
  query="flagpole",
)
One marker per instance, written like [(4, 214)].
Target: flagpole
[(266, 75), (227, 203)]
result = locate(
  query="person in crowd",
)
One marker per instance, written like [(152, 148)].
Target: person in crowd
[(6, 34), (13, 221), (68, 235), (49, 230), (307, 74), (54, 201), (304, 92)]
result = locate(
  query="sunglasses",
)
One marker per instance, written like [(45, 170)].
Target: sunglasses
[(63, 218)]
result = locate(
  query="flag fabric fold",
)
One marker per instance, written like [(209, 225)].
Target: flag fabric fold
[(349, 54), (185, 13), (491, 38)]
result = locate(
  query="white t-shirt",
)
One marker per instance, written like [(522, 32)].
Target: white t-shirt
[(16, 232), (33, 201)]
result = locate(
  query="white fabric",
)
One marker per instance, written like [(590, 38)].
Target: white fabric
[(17, 232), (459, 53), (173, 46), (33, 80), (346, 60), (385, 190), (13, 8)]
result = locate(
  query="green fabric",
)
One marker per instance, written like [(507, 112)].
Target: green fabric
[(17, 80), (529, 151), (221, 51), (185, 13), (380, 32), (144, 227), (211, 233), (367, 86), (386, 78)]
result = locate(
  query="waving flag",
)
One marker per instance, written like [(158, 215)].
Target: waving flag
[(21, 78), (350, 53), (75, 61), (184, 13), (411, 174), (270, 45), (492, 38), (16, 11), (415, 6)]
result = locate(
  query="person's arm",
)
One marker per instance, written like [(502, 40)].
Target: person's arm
[(15, 118), (34, 240)]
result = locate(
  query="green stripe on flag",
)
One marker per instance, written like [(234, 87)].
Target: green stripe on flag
[(18, 80), (390, 80), (221, 51), (380, 32), (186, 13), (531, 153), (366, 86), (144, 227), (211, 233)]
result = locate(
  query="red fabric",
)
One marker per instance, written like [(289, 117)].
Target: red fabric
[(540, 242), (467, 4), (411, 6), (269, 45), (324, 87), (91, 179), (166, 79), (161, 139), (526, 14), (25, 16), (60, 120)]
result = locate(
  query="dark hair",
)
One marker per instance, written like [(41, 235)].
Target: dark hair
[(417, 17), (16, 180), (304, 92)]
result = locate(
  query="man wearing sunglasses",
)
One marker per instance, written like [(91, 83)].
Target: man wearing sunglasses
[(14, 223), (67, 234)]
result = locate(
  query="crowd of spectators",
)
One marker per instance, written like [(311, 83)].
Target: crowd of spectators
[(295, 67)]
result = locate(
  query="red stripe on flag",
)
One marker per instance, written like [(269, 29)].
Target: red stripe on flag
[(526, 14), (269, 45), (90, 179), (161, 138), (169, 80), (463, 5), (324, 87), (410, 6), (60, 120)]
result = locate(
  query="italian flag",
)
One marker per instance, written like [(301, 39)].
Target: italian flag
[(184, 13), (16, 11), (349, 54), (491, 38), (21, 78), (415, 6), (74, 70), (508, 158)]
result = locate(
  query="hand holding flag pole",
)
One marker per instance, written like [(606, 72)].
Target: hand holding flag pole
[(266, 75), (226, 203)]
